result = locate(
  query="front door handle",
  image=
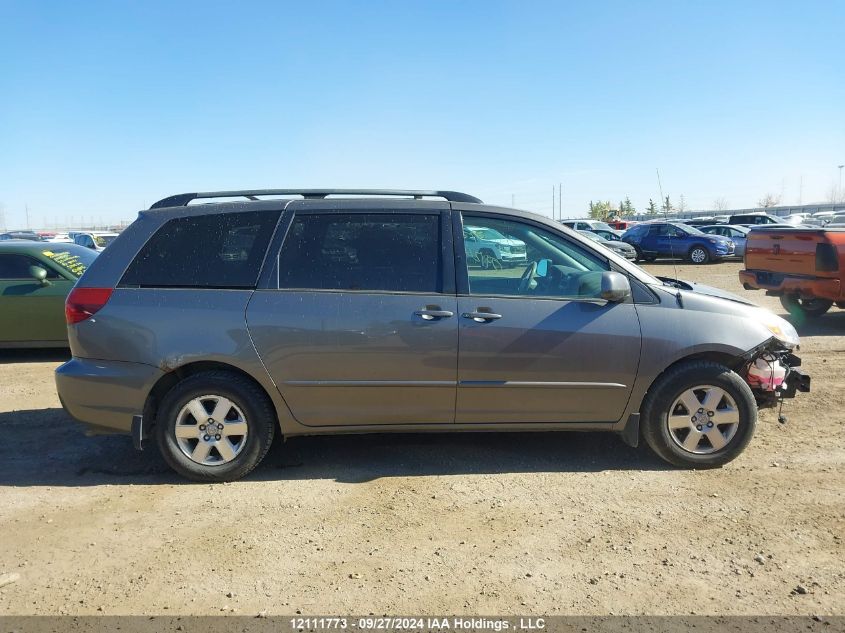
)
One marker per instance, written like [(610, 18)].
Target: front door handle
[(430, 314), (483, 315)]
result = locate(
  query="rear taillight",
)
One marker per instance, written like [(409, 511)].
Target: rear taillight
[(827, 259), (82, 303)]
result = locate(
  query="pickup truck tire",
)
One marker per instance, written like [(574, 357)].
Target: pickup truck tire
[(243, 407), (698, 255), (807, 308), (698, 414)]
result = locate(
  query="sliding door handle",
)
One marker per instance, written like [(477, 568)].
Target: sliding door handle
[(431, 315), (481, 317)]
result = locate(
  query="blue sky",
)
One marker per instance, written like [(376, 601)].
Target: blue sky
[(106, 107)]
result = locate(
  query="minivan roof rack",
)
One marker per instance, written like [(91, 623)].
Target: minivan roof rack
[(182, 199)]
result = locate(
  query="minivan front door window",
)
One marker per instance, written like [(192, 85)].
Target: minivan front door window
[(516, 259)]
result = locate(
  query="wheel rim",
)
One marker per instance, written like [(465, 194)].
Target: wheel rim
[(703, 420), (211, 430), (698, 256)]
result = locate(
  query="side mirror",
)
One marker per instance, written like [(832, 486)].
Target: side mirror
[(39, 274), (543, 267), (615, 287)]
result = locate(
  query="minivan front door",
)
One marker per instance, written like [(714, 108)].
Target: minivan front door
[(362, 329), (537, 344)]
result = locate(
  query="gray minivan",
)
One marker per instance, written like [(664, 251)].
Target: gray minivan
[(211, 327)]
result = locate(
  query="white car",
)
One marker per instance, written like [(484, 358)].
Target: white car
[(488, 248), (95, 240), (61, 238)]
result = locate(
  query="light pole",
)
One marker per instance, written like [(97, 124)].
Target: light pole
[(839, 197)]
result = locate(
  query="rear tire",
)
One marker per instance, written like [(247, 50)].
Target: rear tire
[(699, 255), (710, 431), (241, 433), (805, 308)]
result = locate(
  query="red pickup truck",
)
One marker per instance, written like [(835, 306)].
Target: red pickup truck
[(804, 266)]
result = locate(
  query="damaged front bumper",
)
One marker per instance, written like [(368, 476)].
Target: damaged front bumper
[(795, 379)]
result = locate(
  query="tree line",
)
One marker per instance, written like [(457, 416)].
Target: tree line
[(605, 210)]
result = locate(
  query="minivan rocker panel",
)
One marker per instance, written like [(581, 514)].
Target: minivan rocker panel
[(224, 323)]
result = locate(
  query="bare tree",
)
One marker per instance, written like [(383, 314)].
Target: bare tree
[(682, 204), (720, 204), (835, 196), (769, 200)]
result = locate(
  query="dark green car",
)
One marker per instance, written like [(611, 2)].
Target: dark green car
[(35, 278)]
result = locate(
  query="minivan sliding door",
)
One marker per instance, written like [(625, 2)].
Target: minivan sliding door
[(362, 329)]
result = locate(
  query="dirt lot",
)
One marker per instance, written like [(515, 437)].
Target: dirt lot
[(511, 524)]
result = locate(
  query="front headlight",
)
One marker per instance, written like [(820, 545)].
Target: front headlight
[(780, 328)]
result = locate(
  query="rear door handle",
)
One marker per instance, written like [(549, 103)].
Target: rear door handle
[(432, 314), (481, 317)]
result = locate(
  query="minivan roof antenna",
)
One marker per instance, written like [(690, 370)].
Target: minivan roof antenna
[(666, 217)]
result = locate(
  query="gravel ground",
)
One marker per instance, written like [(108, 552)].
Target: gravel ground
[(429, 524)]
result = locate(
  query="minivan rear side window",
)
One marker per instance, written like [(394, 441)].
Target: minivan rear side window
[(391, 252), (222, 250)]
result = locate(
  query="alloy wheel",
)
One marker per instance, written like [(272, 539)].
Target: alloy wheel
[(698, 256), (211, 430), (703, 419)]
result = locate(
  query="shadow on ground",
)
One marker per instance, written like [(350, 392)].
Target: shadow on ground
[(50, 449), (830, 324), (46, 355)]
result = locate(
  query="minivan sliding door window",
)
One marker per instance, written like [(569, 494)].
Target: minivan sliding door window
[(389, 252)]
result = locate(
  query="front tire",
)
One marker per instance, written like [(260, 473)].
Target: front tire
[(699, 255), (699, 414), (215, 426), (805, 308)]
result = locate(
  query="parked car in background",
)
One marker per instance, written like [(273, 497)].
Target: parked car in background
[(62, 238), (35, 278), (621, 225), (587, 225), (804, 266), (704, 221), (21, 235), (673, 239), (753, 219), (488, 248), (734, 232), (823, 217), (613, 236), (795, 219), (96, 240), (361, 314), (617, 246)]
